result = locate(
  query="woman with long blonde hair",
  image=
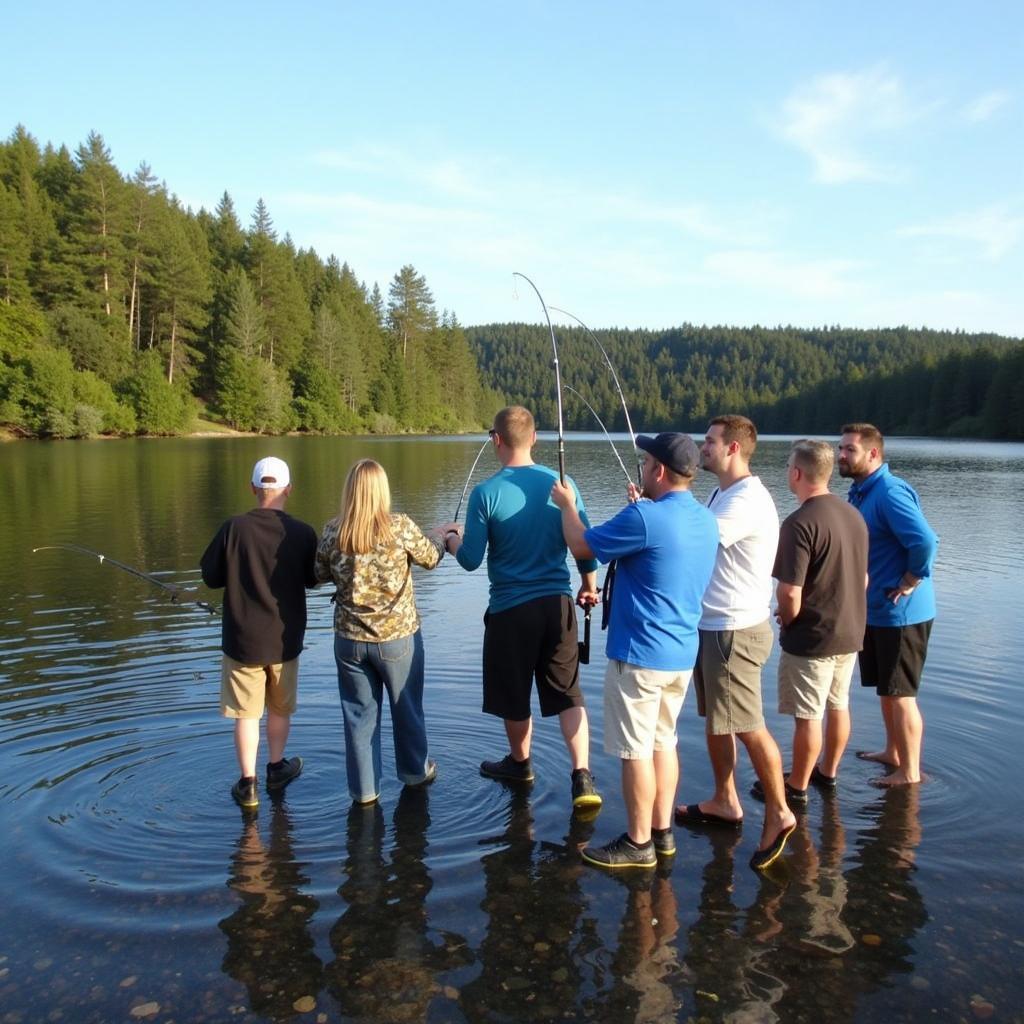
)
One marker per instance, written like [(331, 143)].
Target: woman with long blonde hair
[(368, 551)]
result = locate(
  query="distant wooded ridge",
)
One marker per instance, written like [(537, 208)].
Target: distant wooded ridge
[(787, 379), (123, 312)]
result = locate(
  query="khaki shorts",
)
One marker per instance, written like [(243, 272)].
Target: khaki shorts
[(808, 685), (727, 678), (641, 706), (246, 689)]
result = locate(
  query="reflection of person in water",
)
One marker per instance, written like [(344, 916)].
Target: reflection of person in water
[(532, 952), (730, 953), (270, 948), (646, 962), (385, 963), (882, 898)]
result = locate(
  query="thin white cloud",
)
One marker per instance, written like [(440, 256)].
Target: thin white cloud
[(994, 230), (835, 118), (985, 107), (445, 176), (783, 272)]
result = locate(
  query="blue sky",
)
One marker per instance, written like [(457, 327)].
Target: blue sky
[(646, 165)]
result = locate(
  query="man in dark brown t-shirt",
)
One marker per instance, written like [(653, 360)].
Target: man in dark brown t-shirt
[(821, 568)]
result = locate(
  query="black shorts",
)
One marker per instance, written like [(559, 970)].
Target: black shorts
[(532, 640), (893, 658)]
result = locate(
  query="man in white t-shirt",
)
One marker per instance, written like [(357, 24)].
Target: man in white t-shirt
[(736, 640)]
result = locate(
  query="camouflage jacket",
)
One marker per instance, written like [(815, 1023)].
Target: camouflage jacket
[(374, 600)]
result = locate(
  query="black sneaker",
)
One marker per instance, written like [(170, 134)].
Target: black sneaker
[(278, 776), (244, 793), (823, 781), (794, 797), (621, 853), (584, 792), (508, 769), (664, 842)]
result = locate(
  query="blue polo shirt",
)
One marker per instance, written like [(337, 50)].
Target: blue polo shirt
[(511, 516), (666, 552), (899, 540)]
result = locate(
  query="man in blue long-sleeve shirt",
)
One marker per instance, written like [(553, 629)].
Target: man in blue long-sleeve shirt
[(900, 596), (530, 626)]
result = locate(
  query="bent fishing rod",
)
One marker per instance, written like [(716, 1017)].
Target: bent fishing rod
[(472, 470), (558, 378), (169, 588), (615, 379), (600, 423)]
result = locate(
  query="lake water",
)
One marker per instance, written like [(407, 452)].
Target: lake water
[(134, 889)]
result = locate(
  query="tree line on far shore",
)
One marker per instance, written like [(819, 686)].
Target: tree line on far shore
[(122, 312), (788, 380)]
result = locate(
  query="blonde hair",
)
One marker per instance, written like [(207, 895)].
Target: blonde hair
[(365, 515)]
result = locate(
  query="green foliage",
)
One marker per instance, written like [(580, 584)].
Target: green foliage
[(253, 395), (787, 380), (160, 406)]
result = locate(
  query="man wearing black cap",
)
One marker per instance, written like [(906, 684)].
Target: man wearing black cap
[(665, 550)]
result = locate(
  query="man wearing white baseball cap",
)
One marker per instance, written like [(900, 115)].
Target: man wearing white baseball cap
[(264, 560)]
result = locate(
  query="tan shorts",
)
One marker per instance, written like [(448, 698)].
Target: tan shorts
[(641, 706), (808, 685), (246, 689), (728, 678)]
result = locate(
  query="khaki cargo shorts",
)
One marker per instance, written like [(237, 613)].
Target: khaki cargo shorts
[(808, 685), (245, 690), (641, 706)]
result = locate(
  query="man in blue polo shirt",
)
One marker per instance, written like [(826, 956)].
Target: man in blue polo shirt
[(665, 551), (900, 597)]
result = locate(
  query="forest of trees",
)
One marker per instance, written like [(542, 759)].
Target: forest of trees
[(788, 380), (121, 312)]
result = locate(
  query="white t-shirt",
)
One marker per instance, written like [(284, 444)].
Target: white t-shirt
[(740, 592)]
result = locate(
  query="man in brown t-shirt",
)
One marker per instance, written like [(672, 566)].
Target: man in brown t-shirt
[(821, 568)]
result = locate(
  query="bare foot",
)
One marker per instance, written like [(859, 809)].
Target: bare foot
[(772, 831), (896, 778), (880, 757)]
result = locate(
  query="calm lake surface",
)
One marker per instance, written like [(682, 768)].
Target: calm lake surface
[(133, 888)]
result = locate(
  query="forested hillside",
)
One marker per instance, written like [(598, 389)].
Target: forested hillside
[(788, 380), (119, 308)]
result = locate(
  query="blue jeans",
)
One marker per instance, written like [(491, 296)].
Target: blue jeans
[(365, 670)]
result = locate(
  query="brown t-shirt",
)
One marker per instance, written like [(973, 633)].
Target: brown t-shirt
[(823, 548)]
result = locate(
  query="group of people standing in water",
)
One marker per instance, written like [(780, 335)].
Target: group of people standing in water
[(687, 595)]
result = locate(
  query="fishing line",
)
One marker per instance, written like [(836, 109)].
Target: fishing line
[(618, 386), (593, 411), (169, 588), (558, 377), (472, 469)]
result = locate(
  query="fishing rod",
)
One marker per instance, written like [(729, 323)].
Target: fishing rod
[(472, 469), (558, 378), (615, 378), (567, 387), (168, 588)]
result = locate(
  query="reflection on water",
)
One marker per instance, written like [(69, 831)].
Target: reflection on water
[(134, 889)]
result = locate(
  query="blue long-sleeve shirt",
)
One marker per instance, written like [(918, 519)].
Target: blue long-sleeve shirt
[(899, 540), (512, 518)]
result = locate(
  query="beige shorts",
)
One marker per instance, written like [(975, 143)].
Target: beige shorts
[(245, 690), (641, 706), (728, 678), (808, 685)]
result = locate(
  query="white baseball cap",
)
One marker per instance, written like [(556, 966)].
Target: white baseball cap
[(271, 474)]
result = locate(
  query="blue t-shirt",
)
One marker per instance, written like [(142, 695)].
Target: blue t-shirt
[(512, 517), (899, 540), (666, 552)]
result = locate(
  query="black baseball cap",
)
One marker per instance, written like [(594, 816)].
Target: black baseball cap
[(674, 451)]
